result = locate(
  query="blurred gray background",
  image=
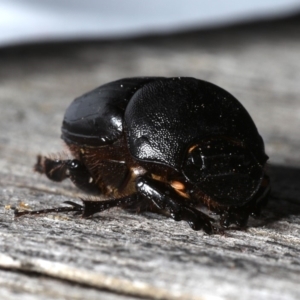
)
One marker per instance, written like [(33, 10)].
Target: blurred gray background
[(24, 21)]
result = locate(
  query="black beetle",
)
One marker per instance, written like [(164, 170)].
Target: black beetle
[(167, 145)]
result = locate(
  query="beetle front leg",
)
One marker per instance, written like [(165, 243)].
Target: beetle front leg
[(89, 207), (73, 208), (58, 170), (164, 197), (239, 215), (233, 215)]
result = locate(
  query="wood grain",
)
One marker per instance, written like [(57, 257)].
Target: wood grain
[(118, 255)]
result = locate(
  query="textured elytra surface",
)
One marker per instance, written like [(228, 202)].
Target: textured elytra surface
[(117, 255), (204, 109)]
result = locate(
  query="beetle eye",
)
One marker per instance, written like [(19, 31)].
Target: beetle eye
[(74, 164)]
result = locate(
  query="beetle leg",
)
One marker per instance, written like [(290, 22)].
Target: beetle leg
[(91, 206), (74, 207), (262, 197), (58, 170), (239, 215), (164, 197)]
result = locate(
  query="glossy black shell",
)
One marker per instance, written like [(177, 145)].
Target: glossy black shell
[(161, 117), (96, 118)]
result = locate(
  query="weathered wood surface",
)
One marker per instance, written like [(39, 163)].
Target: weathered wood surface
[(118, 255)]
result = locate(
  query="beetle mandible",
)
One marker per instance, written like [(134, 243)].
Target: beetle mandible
[(166, 145)]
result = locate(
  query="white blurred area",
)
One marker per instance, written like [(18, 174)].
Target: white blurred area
[(23, 21)]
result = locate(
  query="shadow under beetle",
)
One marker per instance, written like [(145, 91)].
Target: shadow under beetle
[(166, 145)]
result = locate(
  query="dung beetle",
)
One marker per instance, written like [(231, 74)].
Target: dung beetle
[(168, 145)]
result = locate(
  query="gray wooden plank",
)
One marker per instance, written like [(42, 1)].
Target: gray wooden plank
[(14, 285), (148, 255)]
